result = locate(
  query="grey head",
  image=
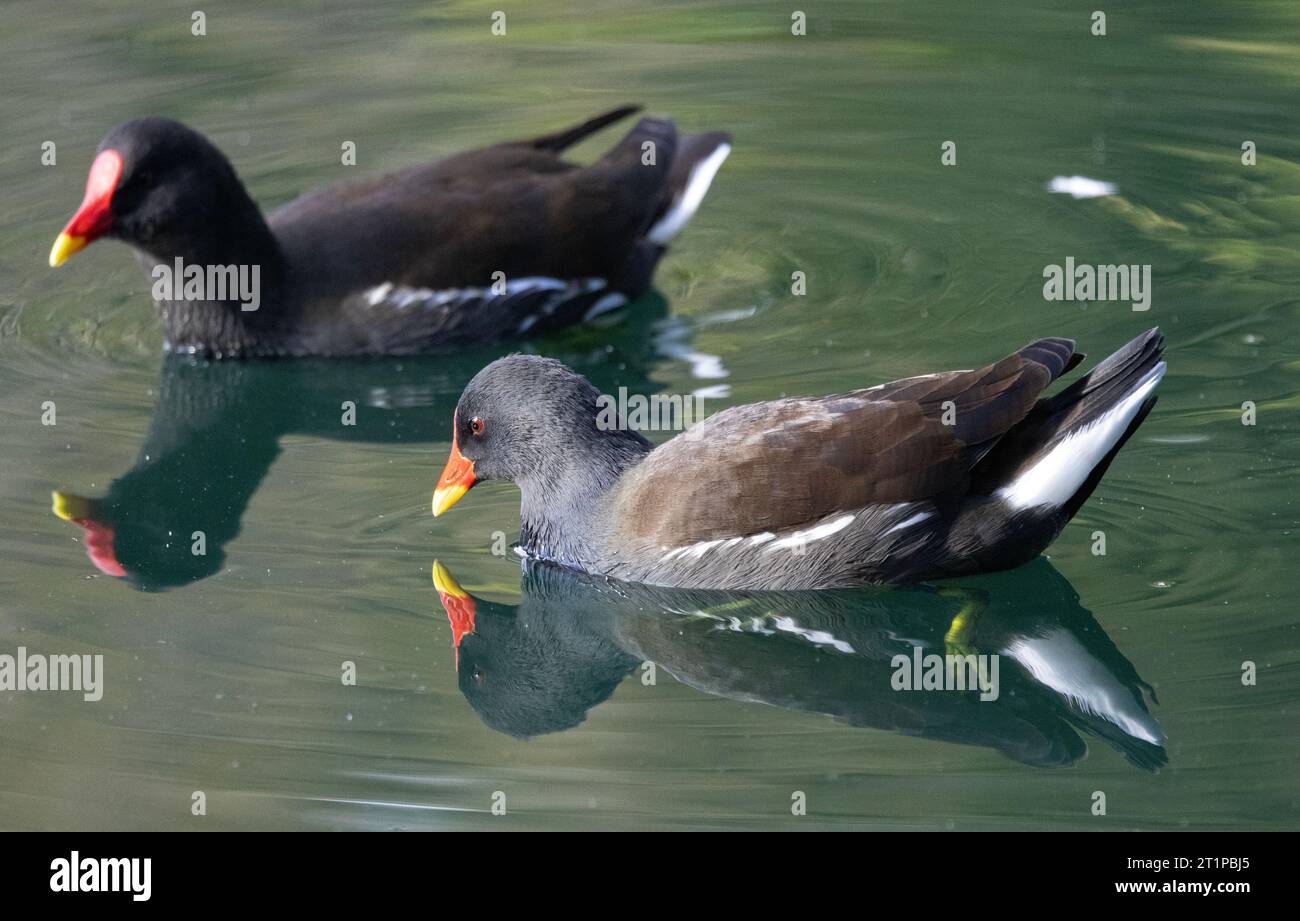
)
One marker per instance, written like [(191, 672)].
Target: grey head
[(537, 423)]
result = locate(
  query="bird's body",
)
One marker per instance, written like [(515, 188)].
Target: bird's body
[(500, 243), (929, 477)]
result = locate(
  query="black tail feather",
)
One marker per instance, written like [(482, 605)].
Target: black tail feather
[(1095, 392), (661, 131), (570, 136)]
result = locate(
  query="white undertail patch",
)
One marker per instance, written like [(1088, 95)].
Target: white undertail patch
[(685, 207), (1058, 476), (1061, 662)]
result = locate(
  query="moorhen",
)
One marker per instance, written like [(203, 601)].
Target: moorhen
[(214, 437), (504, 242), (540, 666), (928, 477)]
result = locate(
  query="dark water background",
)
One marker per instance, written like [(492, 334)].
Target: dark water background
[(223, 672)]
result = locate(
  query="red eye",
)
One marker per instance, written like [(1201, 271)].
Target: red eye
[(476, 425)]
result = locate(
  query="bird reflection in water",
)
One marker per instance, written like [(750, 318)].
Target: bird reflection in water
[(540, 666), (217, 428)]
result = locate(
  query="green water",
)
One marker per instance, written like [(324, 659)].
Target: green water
[(223, 672)]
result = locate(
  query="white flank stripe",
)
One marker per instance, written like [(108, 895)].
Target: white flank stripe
[(697, 550), (404, 296), (817, 533), (1058, 476), (701, 178), (607, 303), (915, 519), (816, 637)]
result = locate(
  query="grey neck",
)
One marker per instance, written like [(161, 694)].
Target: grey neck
[(565, 515)]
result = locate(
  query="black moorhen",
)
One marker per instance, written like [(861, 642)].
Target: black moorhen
[(928, 477), (503, 242)]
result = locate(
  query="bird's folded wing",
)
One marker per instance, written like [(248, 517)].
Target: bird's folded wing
[(769, 467)]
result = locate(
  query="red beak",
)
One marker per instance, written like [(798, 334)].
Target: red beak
[(98, 536), (457, 477), (458, 604), (94, 217)]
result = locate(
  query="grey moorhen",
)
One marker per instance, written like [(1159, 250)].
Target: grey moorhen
[(541, 665), (504, 242), (928, 477)]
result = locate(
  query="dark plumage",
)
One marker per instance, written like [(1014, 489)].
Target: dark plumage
[(928, 477), (541, 666), (214, 438), (499, 243)]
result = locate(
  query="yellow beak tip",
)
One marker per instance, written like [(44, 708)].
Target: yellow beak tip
[(64, 247), (68, 506), (445, 583), (445, 498)]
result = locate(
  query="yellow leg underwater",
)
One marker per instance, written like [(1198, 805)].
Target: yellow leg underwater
[(961, 630)]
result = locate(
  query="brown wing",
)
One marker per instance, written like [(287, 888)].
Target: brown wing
[(784, 464)]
